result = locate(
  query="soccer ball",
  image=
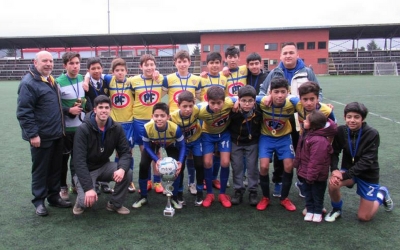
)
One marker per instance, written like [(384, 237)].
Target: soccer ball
[(167, 168)]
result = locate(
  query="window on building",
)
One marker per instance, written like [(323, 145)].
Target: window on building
[(241, 47), (126, 53), (321, 45), (300, 45), (203, 63), (322, 60), (217, 48), (270, 46), (273, 62), (206, 48), (226, 46), (310, 45)]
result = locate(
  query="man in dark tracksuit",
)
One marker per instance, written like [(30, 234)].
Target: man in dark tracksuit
[(39, 113)]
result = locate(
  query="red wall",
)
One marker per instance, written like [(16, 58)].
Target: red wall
[(255, 41)]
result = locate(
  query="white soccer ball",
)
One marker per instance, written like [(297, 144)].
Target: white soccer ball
[(167, 168)]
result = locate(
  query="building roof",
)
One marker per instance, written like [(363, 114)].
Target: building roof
[(187, 37)]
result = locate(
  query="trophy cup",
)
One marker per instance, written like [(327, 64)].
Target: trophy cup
[(167, 170)]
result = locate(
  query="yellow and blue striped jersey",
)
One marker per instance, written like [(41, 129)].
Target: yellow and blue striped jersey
[(236, 80), (170, 135), (121, 100), (215, 123), (206, 83), (190, 126)]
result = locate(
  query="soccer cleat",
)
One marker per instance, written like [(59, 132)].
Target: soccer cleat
[(237, 198), (64, 193), (149, 185), (387, 200), (317, 218), (253, 200), (288, 205), (192, 188), (180, 199), (277, 190), (77, 210), (263, 204), (131, 188), (305, 211), (208, 200), (158, 188), (176, 204), (299, 186), (216, 184), (120, 210), (199, 199), (333, 215), (139, 203), (308, 217), (225, 200)]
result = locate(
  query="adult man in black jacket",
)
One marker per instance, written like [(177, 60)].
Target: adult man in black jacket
[(95, 141), (39, 113)]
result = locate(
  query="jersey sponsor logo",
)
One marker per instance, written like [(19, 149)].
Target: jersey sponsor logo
[(149, 98), (189, 132), (221, 121), (175, 97), (274, 124), (233, 89), (120, 100)]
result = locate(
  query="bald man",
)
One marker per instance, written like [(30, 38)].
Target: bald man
[(39, 113)]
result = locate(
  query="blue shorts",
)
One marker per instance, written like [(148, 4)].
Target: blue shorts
[(128, 129), (366, 190), (138, 131), (195, 147), (282, 146), (223, 141)]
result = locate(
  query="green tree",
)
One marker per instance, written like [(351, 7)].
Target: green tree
[(196, 50), (372, 46)]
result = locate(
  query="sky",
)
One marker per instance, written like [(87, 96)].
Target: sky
[(24, 18)]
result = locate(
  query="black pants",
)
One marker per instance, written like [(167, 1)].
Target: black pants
[(46, 171), (198, 166), (314, 195), (67, 151)]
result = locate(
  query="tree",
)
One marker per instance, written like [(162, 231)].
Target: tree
[(11, 53), (196, 50), (372, 46)]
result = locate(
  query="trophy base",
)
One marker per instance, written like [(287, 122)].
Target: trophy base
[(169, 212)]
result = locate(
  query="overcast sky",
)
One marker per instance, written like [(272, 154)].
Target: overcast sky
[(21, 18)]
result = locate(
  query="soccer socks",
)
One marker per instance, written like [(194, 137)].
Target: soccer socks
[(216, 166), (264, 183), (132, 164), (337, 205), (380, 196), (191, 170), (224, 176), (176, 183), (143, 187), (208, 178), (286, 184)]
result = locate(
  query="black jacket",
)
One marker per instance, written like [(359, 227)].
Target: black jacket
[(365, 166), (240, 131), (92, 149), (39, 109), (256, 80)]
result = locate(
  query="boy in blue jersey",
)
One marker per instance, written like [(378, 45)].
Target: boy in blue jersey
[(187, 119), (160, 133), (215, 117)]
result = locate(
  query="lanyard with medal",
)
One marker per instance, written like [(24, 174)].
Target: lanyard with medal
[(78, 99), (248, 125), (148, 93), (183, 125), (123, 89), (180, 79), (353, 152), (275, 123), (209, 78), (251, 81), (103, 136), (163, 144), (235, 80)]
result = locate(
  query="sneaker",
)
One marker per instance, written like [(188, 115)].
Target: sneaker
[(192, 188), (199, 199), (245, 181), (64, 193), (308, 217), (225, 200), (237, 198), (387, 200), (263, 204), (208, 200), (333, 215), (305, 211), (180, 199), (107, 190), (216, 184), (253, 200), (158, 187), (149, 185), (299, 186), (176, 204), (121, 210), (277, 190), (139, 203), (131, 188), (286, 203), (77, 210), (317, 218)]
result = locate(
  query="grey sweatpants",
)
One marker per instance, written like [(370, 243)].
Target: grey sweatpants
[(250, 153)]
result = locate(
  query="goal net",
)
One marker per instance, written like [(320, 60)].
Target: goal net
[(385, 69)]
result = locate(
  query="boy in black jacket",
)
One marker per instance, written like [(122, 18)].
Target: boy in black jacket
[(95, 141)]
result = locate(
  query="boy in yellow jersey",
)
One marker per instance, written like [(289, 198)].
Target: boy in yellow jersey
[(215, 117), (275, 138), (146, 93), (187, 119), (237, 75), (181, 80), (160, 133), (213, 77)]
